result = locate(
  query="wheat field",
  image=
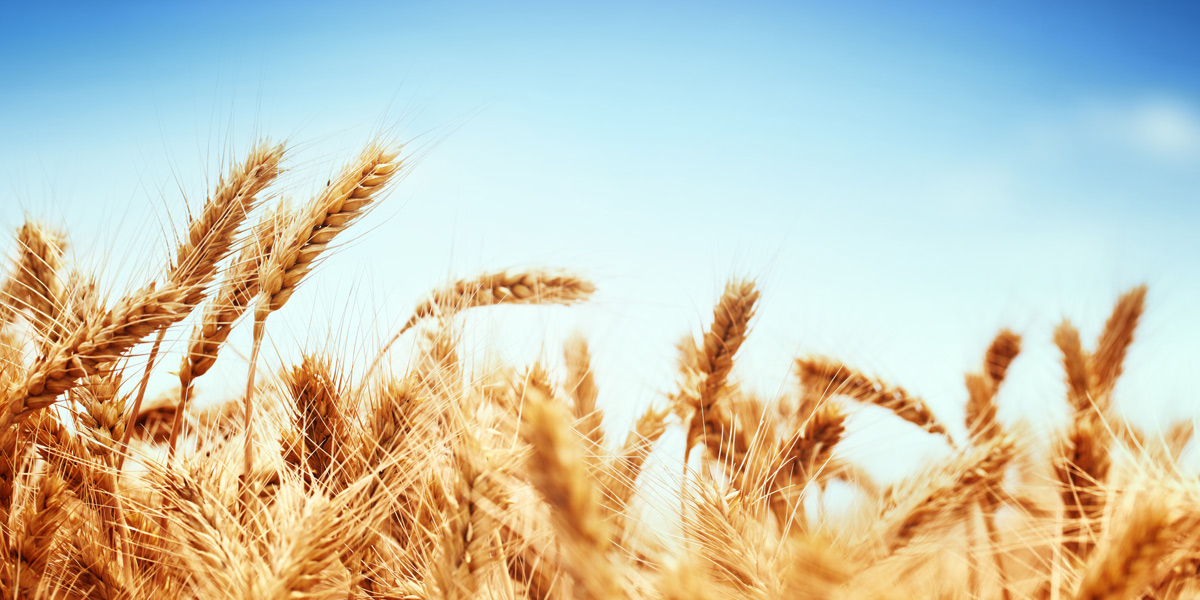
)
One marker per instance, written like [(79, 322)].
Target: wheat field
[(329, 480)]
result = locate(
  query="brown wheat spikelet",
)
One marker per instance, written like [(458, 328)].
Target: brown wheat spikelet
[(1138, 556), (1075, 364), (971, 477), (982, 387), (35, 540), (320, 416), (626, 466), (238, 288), (581, 385), (35, 285), (346, 199), (558, 471), (1082, 469), (827, 377), (726, 544), (709, 365), (802, 457), (1106, 362), (509, 286)]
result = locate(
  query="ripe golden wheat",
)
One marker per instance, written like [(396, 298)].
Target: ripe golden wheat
[(439, 482)]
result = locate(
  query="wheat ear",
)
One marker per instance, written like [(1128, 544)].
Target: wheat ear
[(972, 476), (832, 377), (35, 540), (1082, 468), (581, 385), (508, 286), (35, 285), (558, 471), (982, 387), (1136, 558), (237, 291), (706, 368), (107, 337), (300, 243), (626, 466), (1107, 361)]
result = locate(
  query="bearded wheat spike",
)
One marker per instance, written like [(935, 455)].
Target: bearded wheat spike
[(35, 541), (558, 471), (320, 415), (238, 289), (626, 466), (719, 528), (982, 387), (35, 285), (1137, 558), (1075, 364), (827, 377), (972, 476), (581, 385), (802, 457), (105, 338), (1082, 469), (509, 286), (710, 364), (1106, 363), (344, 201)]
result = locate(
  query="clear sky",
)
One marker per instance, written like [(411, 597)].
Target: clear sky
[(902, 180)]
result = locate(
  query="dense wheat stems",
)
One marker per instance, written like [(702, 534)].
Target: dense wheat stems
[(467, 475)]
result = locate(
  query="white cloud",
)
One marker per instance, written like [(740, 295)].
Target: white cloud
[(1163, 128)]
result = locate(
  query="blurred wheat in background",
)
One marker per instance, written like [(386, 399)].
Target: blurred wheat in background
[(449, 478)]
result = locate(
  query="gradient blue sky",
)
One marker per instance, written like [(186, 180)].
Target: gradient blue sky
[(903, 180)]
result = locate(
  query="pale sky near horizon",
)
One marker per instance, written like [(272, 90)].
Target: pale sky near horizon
[(901, 181)]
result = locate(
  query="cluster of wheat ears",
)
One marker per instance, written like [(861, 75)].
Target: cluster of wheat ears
[(445, 482)]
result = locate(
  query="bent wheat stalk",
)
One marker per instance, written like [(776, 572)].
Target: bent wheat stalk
[(509, 286)]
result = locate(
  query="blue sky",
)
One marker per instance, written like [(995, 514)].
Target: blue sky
[(903, 180)]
